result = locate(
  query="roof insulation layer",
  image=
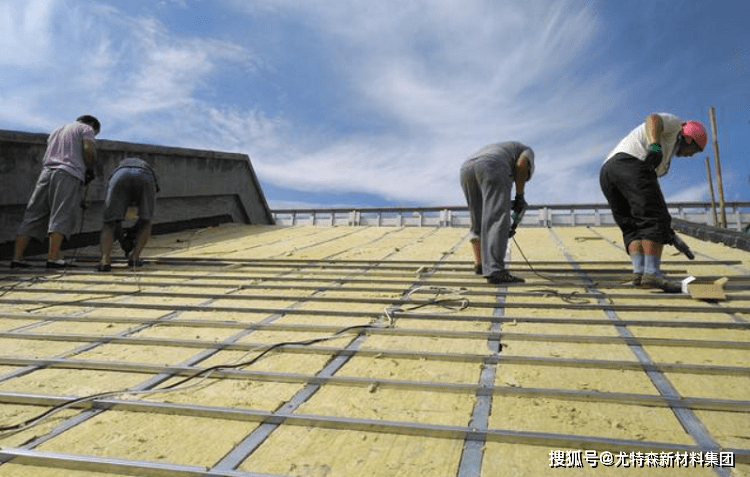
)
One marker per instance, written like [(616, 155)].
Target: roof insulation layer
[(351, 351)]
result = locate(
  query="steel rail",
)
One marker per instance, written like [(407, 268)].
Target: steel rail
[(379, 262), (540, 291), (190, 370), (473, 282), (411, 332), (689, 421), (407, 428), (258, 437), (561, 282), (72, 422), (114, 466), (92, 302), (472, 452), (402, 316), (506, 337)]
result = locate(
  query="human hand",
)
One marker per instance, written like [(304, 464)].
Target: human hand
[(90, 176), (654, 156), (519, 204)]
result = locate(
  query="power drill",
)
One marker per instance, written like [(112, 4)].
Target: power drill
[(682, 246), (517, 218)]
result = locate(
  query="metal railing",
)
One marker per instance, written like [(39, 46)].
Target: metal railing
[(738, 215)]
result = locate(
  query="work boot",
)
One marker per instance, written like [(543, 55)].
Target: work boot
[(653, 281)]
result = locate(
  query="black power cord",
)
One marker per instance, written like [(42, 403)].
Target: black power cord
[(452, 303)]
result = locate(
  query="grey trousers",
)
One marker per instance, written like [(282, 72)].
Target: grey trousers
[(487, 185)]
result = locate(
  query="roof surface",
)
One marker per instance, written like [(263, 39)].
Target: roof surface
[(350, 351)]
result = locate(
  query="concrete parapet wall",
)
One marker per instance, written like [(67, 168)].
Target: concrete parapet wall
[(193, 183)]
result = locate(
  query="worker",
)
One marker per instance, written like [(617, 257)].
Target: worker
[(487, 179), (629, 180), (53, 209), (132, 183)]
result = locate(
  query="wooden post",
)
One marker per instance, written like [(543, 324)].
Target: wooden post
[(711, 191), (719, 184)]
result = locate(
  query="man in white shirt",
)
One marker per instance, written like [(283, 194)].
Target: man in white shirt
[(629, 180)]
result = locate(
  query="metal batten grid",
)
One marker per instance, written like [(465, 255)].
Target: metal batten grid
[(523, 381)]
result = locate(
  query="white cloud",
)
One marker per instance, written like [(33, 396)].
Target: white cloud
[(438, 79), (452, 77), (99, 60), (23, 31)]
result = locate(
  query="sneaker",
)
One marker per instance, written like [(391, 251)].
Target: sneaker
[(478, 268), (653, 281), (637, 279), (504, 277), (58, 264), (20, 264)]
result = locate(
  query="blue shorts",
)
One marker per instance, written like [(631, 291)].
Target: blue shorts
[(130, 186)]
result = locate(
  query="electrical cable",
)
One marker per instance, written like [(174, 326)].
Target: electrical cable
[(566, 297), (453, 303)]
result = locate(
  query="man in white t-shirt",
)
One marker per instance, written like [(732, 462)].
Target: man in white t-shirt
[(629, 180), (52, 211)]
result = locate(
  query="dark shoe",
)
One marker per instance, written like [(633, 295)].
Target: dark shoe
[(127, 239), (637, 279), (478, 268), (104, 267), (135, 263), (20, 264), (652, 281), (504, 277), (59, 264)]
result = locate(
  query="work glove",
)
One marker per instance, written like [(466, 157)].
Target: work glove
[(654, 156), (519, 205), (90, 176)]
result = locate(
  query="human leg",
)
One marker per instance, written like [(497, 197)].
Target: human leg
[(22, 241), (618, 181), (65, 196), (35, 219), (650, 212), (55, 243), (476, 247), (496, 183), (635, 250), (144, 233), (473, 195), (106, 243)]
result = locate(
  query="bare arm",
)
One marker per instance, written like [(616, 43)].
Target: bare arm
[(521, 174), (89, 154), (654, 128)]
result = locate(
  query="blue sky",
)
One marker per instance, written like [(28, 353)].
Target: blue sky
[(374, 103)]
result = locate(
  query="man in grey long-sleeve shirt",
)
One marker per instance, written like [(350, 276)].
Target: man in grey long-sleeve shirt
[(487, 178)]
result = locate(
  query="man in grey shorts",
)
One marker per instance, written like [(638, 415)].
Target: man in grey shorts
[(487, 178), (54, 206), (132, 183)]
